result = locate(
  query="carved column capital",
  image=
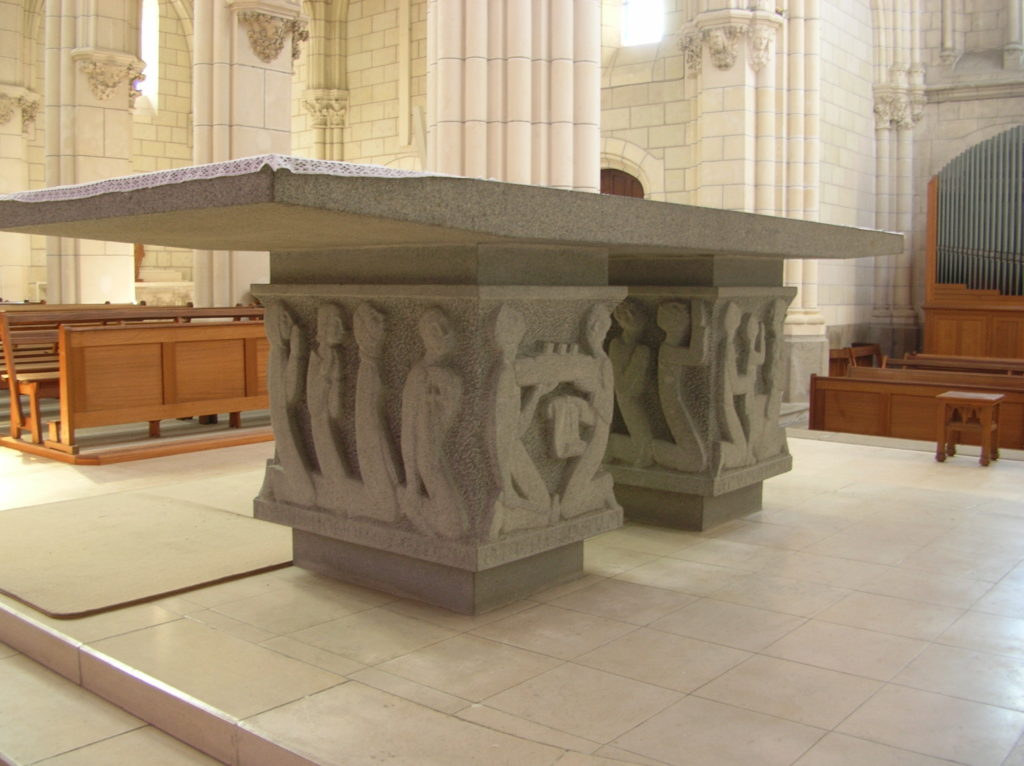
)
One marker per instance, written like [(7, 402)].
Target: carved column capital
[(328, 108), (107, 70), (760, 38), (30, 104), (723, 44), (267, 33), (898, 108), (690, 45), (7, 107)]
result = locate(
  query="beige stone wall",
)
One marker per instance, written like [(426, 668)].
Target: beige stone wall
[(162, 131), (847, 168)]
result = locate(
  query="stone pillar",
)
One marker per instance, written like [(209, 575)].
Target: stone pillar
[(242, 72), (326, 100), (1013, 51), (91, 64), (514, 90), (699, 380)]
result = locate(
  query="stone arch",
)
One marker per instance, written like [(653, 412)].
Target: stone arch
[(946, 151), (628, 157)]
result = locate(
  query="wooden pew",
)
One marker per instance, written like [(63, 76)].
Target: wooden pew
[(901, 403), (32, 371), (957, 364), (149, 373), (840, 360)]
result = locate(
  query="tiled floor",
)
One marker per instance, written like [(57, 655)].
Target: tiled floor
[(871, 615)]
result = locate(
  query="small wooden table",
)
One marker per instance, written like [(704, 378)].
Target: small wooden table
[(968, 412)]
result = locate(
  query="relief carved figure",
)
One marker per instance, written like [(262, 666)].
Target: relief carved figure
[(378, 462), (431, 398), (325, 383), (687, 451), (290, 473), (771, 437), (744, 355), (589, 488), (524, 501), (631, 362)]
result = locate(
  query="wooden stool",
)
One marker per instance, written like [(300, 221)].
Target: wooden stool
[(966, 412)]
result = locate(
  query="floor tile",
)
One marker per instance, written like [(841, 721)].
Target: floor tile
[(719, 622), (290, 607), (790, 690), (772, 535), (830, 570), (499, 720), (1005, 597), (699, 732), (228, 673), (897, 616), (355, 725), (729, 553), (410, 690), (664, 659), (470, 667), (625, 601), (979, 676), (585, 702), (987, 632), (781, 594), (556, 632), (32, 694), (657, 540), (147, 746), (937, 725), (446, 618), (372, 636), (608, 560), (684, 576), (843, 750), (860, 652)]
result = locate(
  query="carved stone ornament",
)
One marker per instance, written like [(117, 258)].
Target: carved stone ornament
[(267, 34), (759, 39), (7, 106), (29, 111), (723, 44), (328, 108), (690, 44), (893, 109), (107, 75)]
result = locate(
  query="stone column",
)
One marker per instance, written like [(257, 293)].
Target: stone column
[(91, 63), (326, 99), (514, 90), (242, 71), (1013, 51), (19, 108)]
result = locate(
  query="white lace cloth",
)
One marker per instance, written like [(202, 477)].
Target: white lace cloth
[(238, 167)]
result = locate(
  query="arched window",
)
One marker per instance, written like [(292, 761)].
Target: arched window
[(643, 21), (621, 183), (150, 51)]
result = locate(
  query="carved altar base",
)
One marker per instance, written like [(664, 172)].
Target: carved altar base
[(698, 384)]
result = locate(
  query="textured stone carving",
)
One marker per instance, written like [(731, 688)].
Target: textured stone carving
[(723, 44), (290, 473), (744, 354), (759, 39), (106, 75), (692, 49), (29, 111), (632, 363), (267, 34), (770, 437), (7, 107), (378, 460), (681, 322), (328, 108), (431, 398)]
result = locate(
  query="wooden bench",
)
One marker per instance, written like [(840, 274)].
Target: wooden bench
[(29, 341), (840, 360), (957, 364), (902, 403), (149, 373)]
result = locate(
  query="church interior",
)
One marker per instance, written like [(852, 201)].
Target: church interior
[(865, 608)]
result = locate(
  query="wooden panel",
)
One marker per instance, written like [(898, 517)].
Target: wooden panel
[(855, 412), (213, 369), (120, 376), (942, 336), (913, 417), (1006, 337)]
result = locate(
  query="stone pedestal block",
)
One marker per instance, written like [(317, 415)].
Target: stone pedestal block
[(698, 386), (430, 436)]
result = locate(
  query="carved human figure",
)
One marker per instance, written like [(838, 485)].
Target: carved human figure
[(631, 362), (771, 439), (325, 396), (378, 462), (524, 500), (588, 488), (431, 397), (687, 451), (744, 354), (290, 473)]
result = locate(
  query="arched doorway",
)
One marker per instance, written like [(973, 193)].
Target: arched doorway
[(621, 183)]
